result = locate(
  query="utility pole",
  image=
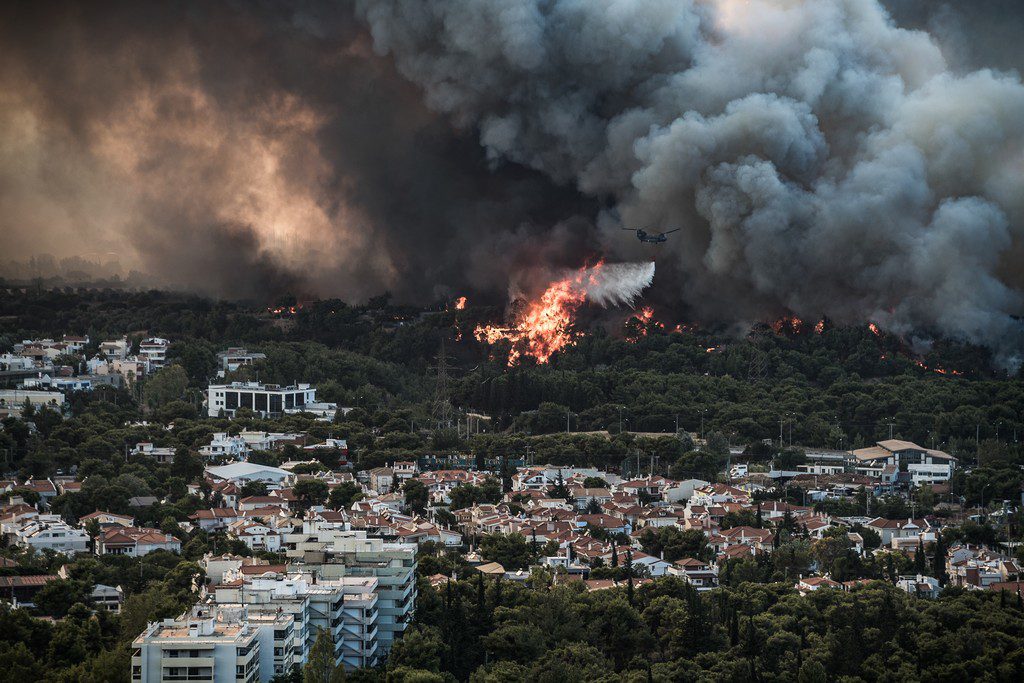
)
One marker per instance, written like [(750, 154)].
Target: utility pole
[(782, 442), (890, 428)]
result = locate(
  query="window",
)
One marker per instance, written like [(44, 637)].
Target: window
[(275, 403), (232, 400), (261, 403)]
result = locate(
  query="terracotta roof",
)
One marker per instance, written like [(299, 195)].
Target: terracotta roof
[(25, 581)]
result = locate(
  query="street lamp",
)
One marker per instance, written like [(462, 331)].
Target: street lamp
[(983, 500)]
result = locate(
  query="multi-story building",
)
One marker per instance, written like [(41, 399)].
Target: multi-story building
[(333, 552), (206, 645), (236, 357), (224, 446), (154, 350), (913, 464), (42, 534), (271, 595), (115, 348), (266, 400)]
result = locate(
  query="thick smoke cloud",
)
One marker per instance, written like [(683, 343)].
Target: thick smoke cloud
[(818, 158), (252, 149)]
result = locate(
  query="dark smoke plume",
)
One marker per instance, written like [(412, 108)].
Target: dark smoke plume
[(251, 149), (819, 158)]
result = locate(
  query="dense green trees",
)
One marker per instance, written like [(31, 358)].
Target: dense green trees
[(510, 632), (511, 551)]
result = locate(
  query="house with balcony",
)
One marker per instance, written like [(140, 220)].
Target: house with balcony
[(910, 463)]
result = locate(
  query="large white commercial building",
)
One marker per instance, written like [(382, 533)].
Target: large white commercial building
[(266, 400)]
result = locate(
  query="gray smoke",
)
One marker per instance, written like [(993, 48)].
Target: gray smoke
[(249, 149), (818, 158)]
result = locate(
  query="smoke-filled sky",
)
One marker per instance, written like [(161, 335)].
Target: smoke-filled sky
[(854, 159)]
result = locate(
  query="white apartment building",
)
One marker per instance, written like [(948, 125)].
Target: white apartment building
[(219, 647), (266, 400), (346, 608), (48, 533), (334, 552), (154, 350)]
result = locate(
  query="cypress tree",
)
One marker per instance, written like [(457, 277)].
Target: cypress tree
[(939, 561), (629, 575)]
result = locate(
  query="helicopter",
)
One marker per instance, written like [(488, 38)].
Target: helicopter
[(655, 238)]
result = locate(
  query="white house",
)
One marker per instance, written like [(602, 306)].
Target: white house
[(135, 541), (223, 446), (53, 535)]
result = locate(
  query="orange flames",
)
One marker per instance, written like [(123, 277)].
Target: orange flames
[(460, 303), (819, 327), (874, 329), (792, 322), (937, 369), (640, 323), (544, 326), (291, 310)]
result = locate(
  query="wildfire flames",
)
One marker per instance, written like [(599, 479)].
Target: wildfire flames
[(874, 329), (282, 310), (640, 323), (460, 303), (939, 370), (544, 327)]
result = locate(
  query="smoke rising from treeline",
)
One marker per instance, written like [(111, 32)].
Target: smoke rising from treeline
[(818, 158)]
